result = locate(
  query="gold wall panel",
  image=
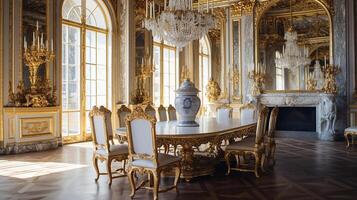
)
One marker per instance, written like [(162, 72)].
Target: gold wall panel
[(31, 127)]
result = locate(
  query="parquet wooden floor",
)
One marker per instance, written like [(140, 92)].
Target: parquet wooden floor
[(305, 169)]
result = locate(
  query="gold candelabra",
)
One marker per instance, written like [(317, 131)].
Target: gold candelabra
[(311, 83), (36, 55), (330, 72), (40, 93), (141, 96), (258, 78)]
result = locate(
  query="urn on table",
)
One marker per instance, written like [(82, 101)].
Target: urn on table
[(187, 104)]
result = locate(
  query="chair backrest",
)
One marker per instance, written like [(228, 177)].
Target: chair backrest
[(162, 113), (261, 125), (99, 129), (150, 111), (141, 135), (122, 112), (171, 112), (272, 122), (108, 120), (224, 112)]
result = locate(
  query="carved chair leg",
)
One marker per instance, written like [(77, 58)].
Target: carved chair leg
[(131, 181), (226, 158), (257, 164), (273, 149), (347, 140), (109, 169), (263, 162), (95, 164), (123, 163), (238, 160), (177, 176), (156, 175)]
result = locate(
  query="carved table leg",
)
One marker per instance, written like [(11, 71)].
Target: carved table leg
[(187, 160)]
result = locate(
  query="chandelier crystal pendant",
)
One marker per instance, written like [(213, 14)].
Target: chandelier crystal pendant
[(178, 24), (292, 56)]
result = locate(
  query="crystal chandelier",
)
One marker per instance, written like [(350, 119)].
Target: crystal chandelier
[(178, 24), (292, 56)]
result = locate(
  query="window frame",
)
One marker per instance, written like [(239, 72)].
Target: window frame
[(162, 45), (83, 27)]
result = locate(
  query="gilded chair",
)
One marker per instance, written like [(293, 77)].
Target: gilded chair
[(122, 112), (224, 112), (150, 111), (350, 132), (143, 155), (171, 112), (103, 150), (162, 113), (249, 146), (270, 144), (108, 122)]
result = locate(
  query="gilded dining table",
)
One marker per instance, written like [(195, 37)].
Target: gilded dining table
[(210, 131)]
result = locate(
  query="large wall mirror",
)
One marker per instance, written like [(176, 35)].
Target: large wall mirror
[(33, 12), (237, 61), (310, 21)]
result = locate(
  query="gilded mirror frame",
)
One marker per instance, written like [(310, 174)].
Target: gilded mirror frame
[(261, 8), (1, 73), (48, 37)]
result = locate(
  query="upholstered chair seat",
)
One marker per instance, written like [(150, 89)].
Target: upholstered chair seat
[(247, 144), (114, 150), (162, 160)]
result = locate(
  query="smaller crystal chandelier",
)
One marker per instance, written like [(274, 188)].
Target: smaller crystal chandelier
[(178, 24), (292, 56)]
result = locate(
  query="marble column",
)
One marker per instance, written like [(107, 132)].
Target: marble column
[(247, 31), (340, 59)]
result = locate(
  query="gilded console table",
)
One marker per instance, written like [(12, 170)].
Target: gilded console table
[(28, 129), (210, 131)]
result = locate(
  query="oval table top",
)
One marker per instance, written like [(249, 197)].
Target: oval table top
[(207, 126)]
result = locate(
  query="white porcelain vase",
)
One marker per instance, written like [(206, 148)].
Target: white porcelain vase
[(187, 104)]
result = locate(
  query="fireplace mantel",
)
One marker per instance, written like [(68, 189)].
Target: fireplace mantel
[(324, 103)]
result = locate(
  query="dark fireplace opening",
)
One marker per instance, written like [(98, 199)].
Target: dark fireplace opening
[(296, 119)]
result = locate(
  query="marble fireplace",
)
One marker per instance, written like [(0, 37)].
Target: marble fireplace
[(324, 104)]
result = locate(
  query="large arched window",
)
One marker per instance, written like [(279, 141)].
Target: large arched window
[(85, 64), (165, 77), (204, 68)]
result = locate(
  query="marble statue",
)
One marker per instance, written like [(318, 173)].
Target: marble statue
[(328, 116)]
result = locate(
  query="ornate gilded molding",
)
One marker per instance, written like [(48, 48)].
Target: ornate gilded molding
[(243, 7)]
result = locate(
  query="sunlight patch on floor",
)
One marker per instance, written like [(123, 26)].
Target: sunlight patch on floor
[(24, 170)]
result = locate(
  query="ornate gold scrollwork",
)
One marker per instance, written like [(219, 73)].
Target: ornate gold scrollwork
[(213, 90)]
